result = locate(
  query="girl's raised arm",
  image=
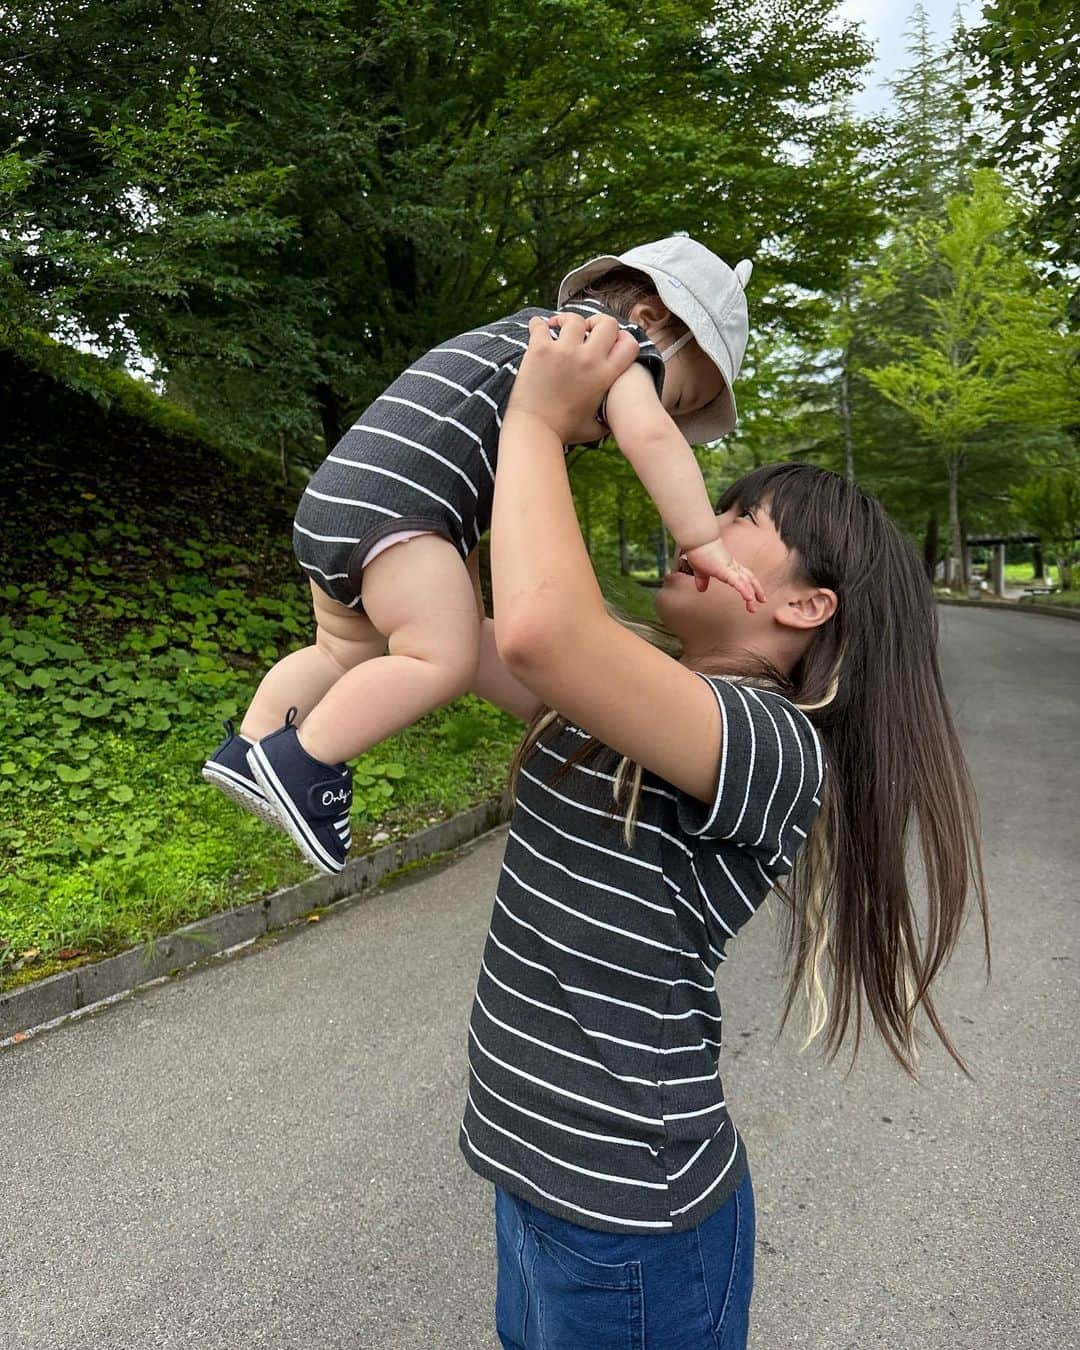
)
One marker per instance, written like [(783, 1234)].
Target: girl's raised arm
[(551, 627)]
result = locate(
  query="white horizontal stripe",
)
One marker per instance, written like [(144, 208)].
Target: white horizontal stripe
[(349, 501), (588, 843), (555, 1050), (424, 450), (779, 763), (483, 332), (561, 1162), (329, 538), (439, 417), (705, 896), (750, 905), (591, 1213), (460, 351), (400, 478), (699, 919), (561, 1125), (677, 1082), (689, 1115), (716, 1180), (588, 1031), (799, 831), (606, 998), (597, 773), (328, 576), (718, 796), (674, 1176), (613, 816), (598, 923), (816, 801), (798, 791), (588, 881), (563, 1092), (596, 960)]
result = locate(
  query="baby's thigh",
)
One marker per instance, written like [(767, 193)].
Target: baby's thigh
[(348, 635), (420, 595)]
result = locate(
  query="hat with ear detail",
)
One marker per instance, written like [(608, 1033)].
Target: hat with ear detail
[(707, 295)]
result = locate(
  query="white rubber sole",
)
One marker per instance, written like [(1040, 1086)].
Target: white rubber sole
[(289, 819), (234, 786)]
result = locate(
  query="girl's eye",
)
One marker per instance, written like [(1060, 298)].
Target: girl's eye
[(746, 511)]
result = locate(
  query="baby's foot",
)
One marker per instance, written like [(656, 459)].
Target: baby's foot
[(312, 798), (227, 769)]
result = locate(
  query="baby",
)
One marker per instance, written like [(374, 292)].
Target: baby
[(388, 526)]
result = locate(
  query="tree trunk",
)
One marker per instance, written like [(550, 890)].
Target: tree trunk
[(845, 416), (329, 414), (663, 558), (1040, 566), (953, 566), (930, 545), (624, 551), (965, 559)]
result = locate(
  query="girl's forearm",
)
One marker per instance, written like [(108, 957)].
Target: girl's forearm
[(543, 584)]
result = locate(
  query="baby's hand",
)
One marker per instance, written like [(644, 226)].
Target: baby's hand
[(714, 559)]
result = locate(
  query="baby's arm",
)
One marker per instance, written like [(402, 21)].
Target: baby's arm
[(665, 463)]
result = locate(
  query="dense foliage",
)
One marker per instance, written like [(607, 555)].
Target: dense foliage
[(149, 585)]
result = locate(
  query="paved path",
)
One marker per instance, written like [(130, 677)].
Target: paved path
[(264, 1153)]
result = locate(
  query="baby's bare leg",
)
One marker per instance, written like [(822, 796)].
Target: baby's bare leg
[(420, 595), (343, 639)]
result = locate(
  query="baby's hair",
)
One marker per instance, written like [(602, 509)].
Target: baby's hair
[(619, 290)]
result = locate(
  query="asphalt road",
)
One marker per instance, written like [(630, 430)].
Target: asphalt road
[(263, 1152)]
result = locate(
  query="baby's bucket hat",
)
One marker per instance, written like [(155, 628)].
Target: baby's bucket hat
[(707, 295)]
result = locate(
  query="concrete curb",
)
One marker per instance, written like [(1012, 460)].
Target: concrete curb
[(1055, 611), (58, 997)]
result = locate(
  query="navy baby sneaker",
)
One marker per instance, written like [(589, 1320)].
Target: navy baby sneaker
[(312, 798), (227, 768)]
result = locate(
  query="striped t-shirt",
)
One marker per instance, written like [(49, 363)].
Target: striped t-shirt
[(422, 456), (595, 1029)]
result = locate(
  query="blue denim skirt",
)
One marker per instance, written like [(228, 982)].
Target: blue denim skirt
[(563, 1287)]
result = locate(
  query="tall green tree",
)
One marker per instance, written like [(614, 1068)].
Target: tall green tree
[(1027, 71), (341, 183), (994, 354), (1049, 503)]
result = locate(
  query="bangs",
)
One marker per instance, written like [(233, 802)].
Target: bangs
[(814, 511)]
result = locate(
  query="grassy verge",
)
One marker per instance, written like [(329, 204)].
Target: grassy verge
[(1060, 598)]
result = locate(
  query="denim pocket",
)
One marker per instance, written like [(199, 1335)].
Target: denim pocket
[(726, 1245), (585, 1303)]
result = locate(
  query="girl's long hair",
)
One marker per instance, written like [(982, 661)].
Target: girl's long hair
[(870, 683)]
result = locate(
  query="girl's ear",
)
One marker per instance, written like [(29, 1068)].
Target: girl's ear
[(808, 611)]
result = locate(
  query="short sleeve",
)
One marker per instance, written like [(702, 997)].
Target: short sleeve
[(768, 787), (648, 352)]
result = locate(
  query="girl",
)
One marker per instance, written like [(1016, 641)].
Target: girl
[(658, 800), (388, 526)]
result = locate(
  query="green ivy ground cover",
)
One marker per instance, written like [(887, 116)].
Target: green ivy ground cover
[(148, 586)]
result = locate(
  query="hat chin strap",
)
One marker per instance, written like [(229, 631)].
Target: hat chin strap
[(676, 346)]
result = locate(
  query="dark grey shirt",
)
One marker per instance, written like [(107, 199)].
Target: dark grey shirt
[(595, 1030)]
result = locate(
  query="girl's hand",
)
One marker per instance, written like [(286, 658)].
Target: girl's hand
[(562, 383), (714, 559)]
